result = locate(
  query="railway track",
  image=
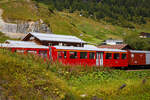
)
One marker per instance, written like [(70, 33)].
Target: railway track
[(135, 68)]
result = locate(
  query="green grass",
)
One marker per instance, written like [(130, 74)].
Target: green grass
[(66, 23), (24, 77), (106, 83), (14, 10)]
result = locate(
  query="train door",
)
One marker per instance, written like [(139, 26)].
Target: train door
[(50, 53), (147, 58), (99, 59)]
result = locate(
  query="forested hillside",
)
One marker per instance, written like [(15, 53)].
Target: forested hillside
[(114, 11)]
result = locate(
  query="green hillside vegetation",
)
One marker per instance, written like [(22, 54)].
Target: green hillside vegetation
[(136, 42), (67, 23), (27, 77), (120, 12), (3, 37)]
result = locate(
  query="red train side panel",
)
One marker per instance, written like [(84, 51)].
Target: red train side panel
[(137, 57), (119, 61), (64, 56), (93, 58)]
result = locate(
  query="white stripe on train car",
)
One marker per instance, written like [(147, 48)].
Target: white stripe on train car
[(138, 51), (90, 48), (4, 45)]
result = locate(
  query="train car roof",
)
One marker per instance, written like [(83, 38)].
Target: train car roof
[(139, 51), (88, 47), (20, 42), (54, 37), (4, 45)]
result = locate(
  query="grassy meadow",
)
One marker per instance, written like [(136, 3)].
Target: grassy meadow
[(66, 23), (25, 77)]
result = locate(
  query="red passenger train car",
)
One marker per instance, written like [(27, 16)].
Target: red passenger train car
[(85, 56), (139, 58), (90, 56), (28, 49)]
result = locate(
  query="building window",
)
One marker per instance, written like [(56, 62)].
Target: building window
[(83, 55), (119, 42), (116, 55), (92, 55), (124, 56), (73, 55), (43, 53), (108, 55)]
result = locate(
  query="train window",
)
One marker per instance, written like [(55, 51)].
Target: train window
[(73, 55), (83, 55), (65, 54), (108, 55), (20, 51), (31, 51), (59, 55), (132, 55), (43, 53), (124, 56), (92, 55), (116, 55)]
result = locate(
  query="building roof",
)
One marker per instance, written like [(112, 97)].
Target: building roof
[(144, 33), (118, 46), (113, 40), (56, 38), (88, 47)]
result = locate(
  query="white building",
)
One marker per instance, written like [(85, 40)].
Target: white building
[(112, 42)]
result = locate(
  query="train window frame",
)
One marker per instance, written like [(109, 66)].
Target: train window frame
[(132, 55), (65, 54), (43, 53), (92, 56), (83, 56), (19, 50), (73, 55), (31, 51), (108, 56), (122, 57), (116, 56), (59, 54)]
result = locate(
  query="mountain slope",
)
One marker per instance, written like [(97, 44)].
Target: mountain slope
[(66, 23), (115, 11)]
